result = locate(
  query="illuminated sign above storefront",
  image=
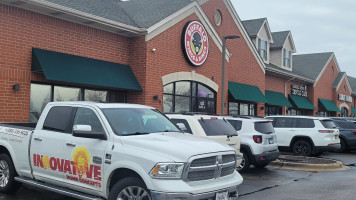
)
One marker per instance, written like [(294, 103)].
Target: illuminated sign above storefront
[(299, 90), (346, 98), (195, 43)]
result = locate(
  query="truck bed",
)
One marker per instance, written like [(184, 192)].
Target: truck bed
[(21, 125)]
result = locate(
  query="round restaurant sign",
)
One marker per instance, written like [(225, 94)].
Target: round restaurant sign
[(195, 43)]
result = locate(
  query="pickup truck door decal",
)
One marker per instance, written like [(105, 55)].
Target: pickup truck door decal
[(78, 169)]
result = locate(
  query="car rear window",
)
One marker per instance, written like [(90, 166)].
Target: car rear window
[(346, 124), (264, 127), (328, 123), (236, 124), (214, 127)]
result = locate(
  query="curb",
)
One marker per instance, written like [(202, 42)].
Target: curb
[(337, 165)]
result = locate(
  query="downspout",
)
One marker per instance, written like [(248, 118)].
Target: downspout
[(285, 92)]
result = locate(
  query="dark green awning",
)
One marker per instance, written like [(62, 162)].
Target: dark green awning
[(353, 111), (328, 105), (76, 69), (277, 99), (246, 92), (301, 102)]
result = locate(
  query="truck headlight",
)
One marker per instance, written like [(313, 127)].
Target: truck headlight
[(167, 170)]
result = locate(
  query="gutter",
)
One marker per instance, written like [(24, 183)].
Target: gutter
[(286, 74)]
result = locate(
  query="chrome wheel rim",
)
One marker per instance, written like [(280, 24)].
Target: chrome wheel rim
[(242, 165), (133, 193), (4, 173)]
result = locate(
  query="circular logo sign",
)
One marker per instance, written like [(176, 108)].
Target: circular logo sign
[(195, 43)]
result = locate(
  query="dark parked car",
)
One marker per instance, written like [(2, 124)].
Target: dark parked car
[(347, 134)]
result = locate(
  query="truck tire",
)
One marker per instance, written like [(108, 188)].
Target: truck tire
[(7, 174), (129, 188), (302, 148), (245, 163)]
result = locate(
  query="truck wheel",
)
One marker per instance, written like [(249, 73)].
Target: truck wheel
[(245, 163), (7, 174), (129, 188), (302, 148)]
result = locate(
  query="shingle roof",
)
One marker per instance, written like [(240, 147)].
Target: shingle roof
[(279, 39), (253, 26), (138, 13), (338, 79), (310, 65), (292, 73), (352, 82)]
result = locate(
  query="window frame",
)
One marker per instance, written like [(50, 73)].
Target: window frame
[(193, 96), (287, 58), (263, 52)]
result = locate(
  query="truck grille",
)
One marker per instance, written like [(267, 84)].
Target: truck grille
[(212, 167)]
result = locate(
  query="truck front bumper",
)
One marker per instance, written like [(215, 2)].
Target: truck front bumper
[(233, 194)]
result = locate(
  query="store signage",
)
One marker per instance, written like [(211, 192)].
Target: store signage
[(299, 90), (195, 43), (343, 97)]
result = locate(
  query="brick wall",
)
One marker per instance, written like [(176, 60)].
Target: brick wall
[(20, 30)]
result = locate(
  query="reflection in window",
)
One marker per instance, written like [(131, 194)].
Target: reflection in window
[(236, 108), (85, 116), (39, 97), (66, 94), (187, 96), (287, 55), (262, 48), (95, 95)]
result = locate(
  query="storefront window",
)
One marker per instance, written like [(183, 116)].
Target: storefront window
[(66, 94), (41, 94), (95, 95), (296, 112), (39, 97), (273, 110), (344, 112), (188, 96), (236, 108)]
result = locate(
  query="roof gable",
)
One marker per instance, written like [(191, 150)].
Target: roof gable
[(352, 82), (253, 26), (280, 39), (311, 65), (137, 13)]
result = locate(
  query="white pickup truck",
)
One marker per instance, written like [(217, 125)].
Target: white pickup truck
[(114, 151)]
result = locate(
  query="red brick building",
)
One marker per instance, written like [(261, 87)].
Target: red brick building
[(65, 51), (126, 51)]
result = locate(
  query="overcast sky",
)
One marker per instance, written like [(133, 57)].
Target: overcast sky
[(317, 25)]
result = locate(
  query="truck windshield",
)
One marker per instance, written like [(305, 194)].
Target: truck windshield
[(138, 121)]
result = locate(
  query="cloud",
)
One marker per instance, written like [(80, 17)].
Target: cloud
[(317, 26)]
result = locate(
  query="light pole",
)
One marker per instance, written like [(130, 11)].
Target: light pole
[(223, 69)]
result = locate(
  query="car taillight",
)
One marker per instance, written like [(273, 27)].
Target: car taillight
[(213, 118), (326, 131), (354, 131), (257, 139)]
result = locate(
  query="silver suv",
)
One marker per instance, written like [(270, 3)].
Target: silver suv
[(258, 141)]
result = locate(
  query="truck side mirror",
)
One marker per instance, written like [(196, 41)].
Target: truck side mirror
[(85, 131), (182, 127)]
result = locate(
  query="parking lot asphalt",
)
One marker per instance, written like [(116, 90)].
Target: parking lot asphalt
[(266, 184)]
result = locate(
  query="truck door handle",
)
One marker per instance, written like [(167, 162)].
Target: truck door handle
[(70, 144), (37, 139)]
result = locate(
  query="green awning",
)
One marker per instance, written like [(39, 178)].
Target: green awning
[(353, 111), (246, 92), (328, 105), (277, 99), (301, 102), (75, 69)]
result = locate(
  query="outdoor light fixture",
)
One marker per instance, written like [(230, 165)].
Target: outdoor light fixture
[(16, 87), (155, 97), (223, 70)]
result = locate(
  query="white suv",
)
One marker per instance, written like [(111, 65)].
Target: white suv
[(209, 126), (306, 136), (258, 141)]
